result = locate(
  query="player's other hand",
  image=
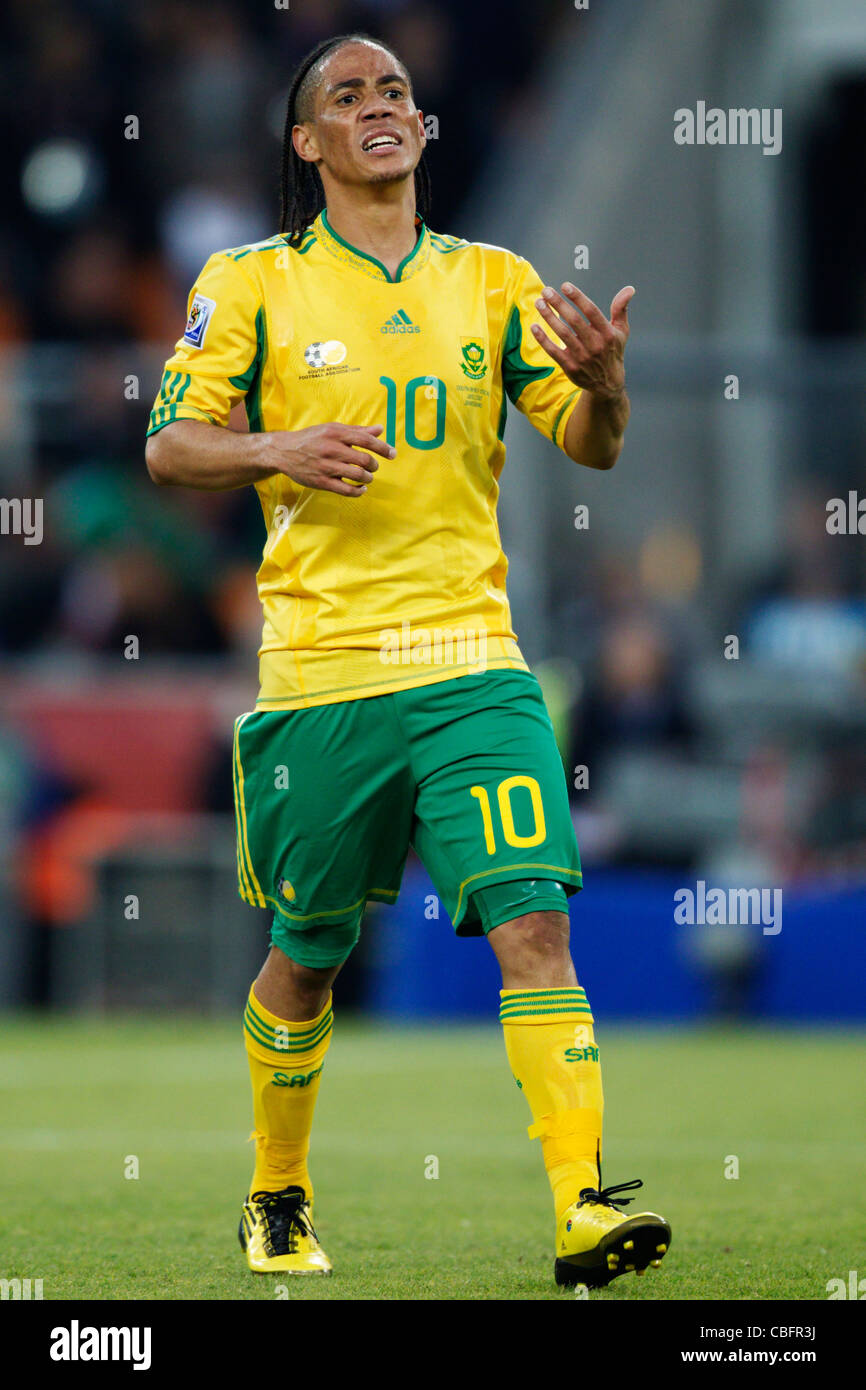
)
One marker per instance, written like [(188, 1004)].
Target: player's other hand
[(333, 458), (591, 354)]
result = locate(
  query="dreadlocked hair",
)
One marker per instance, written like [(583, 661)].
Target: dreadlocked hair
[(302, 196)]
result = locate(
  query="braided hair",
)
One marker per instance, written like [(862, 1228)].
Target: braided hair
[(302, 196)]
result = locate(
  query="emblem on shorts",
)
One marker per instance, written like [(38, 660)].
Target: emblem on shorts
[(200, 312), (285, 889), (473, 364)]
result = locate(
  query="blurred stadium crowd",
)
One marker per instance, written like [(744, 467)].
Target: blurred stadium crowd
[(103, 236), (109, 232)]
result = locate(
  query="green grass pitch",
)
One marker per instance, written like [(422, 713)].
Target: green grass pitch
[(80, 1097)]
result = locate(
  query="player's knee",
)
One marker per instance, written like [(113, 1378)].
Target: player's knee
[(546, 932), (538, 936), (309, 982), (302, 990)]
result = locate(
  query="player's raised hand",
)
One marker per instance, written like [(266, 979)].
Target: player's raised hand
[(332, 457), (592, 347)]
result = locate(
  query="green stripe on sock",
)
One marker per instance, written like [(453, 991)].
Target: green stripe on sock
[(544, 1004), (574, 999), (293, 1042), (571, 1011), (283, 1052), (289, 1042), (543, 993), (530, 1003), (252, 1029), (270, 1028), (308, 1042)]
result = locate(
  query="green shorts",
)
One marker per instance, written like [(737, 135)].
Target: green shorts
[(328, 801)]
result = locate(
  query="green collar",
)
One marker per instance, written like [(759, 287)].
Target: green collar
[(368, 265)]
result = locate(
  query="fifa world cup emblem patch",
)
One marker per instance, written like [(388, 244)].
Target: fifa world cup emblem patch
[(200, 312), (473, 363)]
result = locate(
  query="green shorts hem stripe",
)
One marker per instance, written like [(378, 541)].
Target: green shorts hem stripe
[(316, 916), (508, 912), (516, 871), (321, 947), (380, 895)]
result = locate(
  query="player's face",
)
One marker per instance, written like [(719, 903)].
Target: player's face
[(367, 128)]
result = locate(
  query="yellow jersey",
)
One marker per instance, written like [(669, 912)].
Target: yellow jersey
[(404, 585)]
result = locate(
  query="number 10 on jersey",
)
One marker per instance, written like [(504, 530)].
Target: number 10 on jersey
[(434, 389)]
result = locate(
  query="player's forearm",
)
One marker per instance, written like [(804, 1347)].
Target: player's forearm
[(193, 453), (595, 429)]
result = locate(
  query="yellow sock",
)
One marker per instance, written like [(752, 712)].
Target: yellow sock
[(554, 1059), (286, 1061)]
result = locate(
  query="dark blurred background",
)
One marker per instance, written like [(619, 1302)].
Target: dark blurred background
[(742, 766)]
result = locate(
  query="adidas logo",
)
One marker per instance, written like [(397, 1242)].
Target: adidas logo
[(399, 323)]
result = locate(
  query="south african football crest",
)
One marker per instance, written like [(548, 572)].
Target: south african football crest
[(473, 363), (329, 354)]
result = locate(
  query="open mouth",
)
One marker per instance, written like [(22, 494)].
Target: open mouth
[(380, 144)]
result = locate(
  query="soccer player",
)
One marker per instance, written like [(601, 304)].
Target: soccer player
[(375, 358)]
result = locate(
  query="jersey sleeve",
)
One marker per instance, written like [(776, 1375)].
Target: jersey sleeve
[(220, 356), (533, 381)]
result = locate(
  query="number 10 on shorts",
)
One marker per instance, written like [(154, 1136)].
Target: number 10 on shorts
[(506, 814)]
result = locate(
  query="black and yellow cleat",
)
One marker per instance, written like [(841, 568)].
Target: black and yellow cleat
[(595, 1241), (278, 1236)]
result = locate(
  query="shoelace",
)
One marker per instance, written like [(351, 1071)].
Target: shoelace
[(286, 1217), (602, 1196)]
